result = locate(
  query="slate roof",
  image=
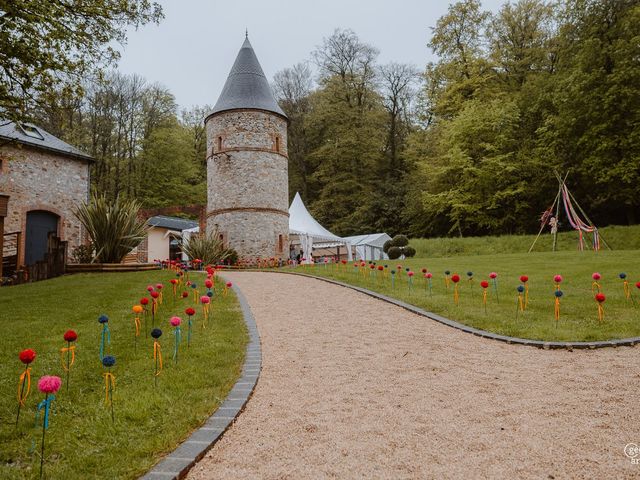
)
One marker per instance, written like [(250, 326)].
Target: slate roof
[(246, 85), (46, 141), (172, 223)]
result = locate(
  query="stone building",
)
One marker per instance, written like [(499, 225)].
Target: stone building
[(42, 180), (247, 163)]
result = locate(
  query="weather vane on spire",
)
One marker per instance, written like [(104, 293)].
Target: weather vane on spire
[(246, 33)]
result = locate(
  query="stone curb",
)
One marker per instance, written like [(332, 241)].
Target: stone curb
[(624, 342), (179, 462)]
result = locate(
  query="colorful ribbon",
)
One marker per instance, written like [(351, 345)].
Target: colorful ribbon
[(595, 288), (136, 320), (557, 309), (178, 333), (526, 296), (22, 395), (109, 385), (520, 302), (71, 349), (106, 334), (189, 331), (157, 356), (627, 290), (484, 299), (46, 404), (495, 289), (446, 281), (600, 312)]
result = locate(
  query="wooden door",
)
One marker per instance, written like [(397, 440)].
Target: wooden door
[(39, 224)]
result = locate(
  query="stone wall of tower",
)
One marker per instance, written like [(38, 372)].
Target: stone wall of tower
[(247, 180)]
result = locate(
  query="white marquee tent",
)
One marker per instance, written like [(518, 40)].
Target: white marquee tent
[(309, 231)]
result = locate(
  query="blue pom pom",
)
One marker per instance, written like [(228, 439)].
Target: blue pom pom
[(623, 275), (469, 274), (520, 288), (558, 293), (109, 361), (209, 294), (103, 318), (386, 266), (193, 285), (407, 269), (156, 333), (447, 272), (393, 272)]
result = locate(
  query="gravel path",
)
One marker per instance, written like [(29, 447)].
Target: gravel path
[(352, 387)]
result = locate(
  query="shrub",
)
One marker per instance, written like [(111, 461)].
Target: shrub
[(113, 226), (232, 259), (387, 245), (82, 254), (207, 247), (394, 253), (400, 241), (409, 251)]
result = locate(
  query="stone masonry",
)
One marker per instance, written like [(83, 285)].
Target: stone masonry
[(36, 179), (248, 181)]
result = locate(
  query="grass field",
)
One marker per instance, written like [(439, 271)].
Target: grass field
[(579, 313), (82, 442), (618, 237)]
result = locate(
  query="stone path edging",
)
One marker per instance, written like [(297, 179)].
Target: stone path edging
[(624, 342), (179, 462)]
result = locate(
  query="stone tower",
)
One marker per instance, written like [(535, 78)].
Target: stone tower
[(247, 163)]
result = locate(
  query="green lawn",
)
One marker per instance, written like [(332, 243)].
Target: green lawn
[(579, 314), (82, 442)]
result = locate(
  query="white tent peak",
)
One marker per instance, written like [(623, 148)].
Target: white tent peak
[(301, 222)]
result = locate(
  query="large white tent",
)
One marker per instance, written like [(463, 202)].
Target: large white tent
[(369, 247), (309, 231)]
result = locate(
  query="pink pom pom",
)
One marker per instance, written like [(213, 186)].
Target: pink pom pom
[(149, 288), (596, 276), (229, 284), (557, 278), (205, 299), (428, 275), (410, 273), (49, 384), (159, 286), (175, 321), (493, 275)]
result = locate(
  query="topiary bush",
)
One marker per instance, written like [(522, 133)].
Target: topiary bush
[(409, 251), (394, 253), (387, 245), (400, 241)]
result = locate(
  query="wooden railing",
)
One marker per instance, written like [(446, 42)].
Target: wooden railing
[(53, 265), (12, 243)]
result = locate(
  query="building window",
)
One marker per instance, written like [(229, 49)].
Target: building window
[(31, 131), (219, 144), (277, 144), (280, 243)]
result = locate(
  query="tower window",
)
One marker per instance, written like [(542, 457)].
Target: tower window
[(277, 144), (219, 143), (280, 243)]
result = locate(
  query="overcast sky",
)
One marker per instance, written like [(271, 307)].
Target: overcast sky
[(193, 48)]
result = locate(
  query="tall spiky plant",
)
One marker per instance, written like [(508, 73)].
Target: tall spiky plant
[(113, 226), (207, 247)]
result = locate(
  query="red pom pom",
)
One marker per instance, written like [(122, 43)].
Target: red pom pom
[(150, 288), (484, 284), (493, 275), (173, 281), (208, 283), (424, 270), (190, 311), (155, 294), (27, 356), (638, 285), (600, 298), (524, 278), (229, 284), (70, 336), (455, 278), (185, 294), (380, 267), (144, 301), (372, 266)]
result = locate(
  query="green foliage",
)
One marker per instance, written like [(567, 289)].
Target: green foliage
[(149, 421), (113, 226), (400, 241), (52, 45), (82, 254), (387, 245), (409, 251), (394, 253), (207, 247)]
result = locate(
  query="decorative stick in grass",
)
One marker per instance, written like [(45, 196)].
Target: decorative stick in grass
[(184, 295), (558, 294), (175, 322), (470, 280), (190, 312), (205, 300), (446, 279), (109, 383), (154, 307), (410, 281), (159, 288), (137, 310), (105, 336), (70, 336), (27, 357), (429, 276), (227, 286), (595, 285), (525, 283), (625, 286), (144, 301), (372, 269), (196, 294), (455, 278), (600, 299), (49, 385), (520, 304), (424, 275), (557, 280), (380, 273), (494, 278), (393, 279), (174, 288), (156, 333), (208, 283), (484, 284)]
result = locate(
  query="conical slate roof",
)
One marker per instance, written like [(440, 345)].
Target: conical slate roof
[(246, 85)]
